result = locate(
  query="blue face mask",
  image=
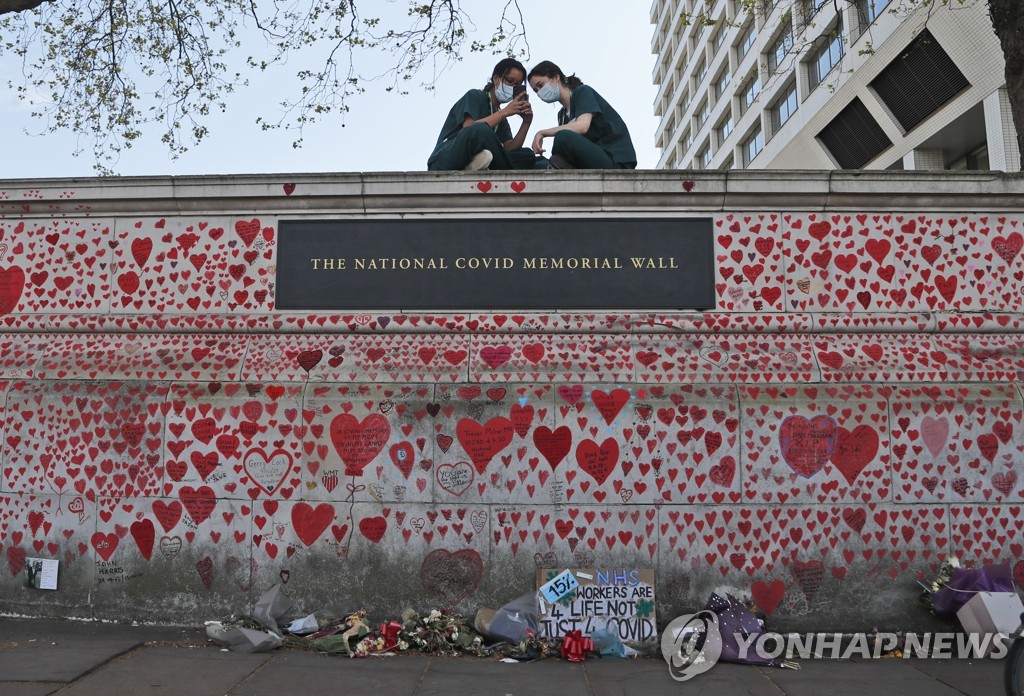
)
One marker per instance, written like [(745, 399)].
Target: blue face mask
[(550, 92), (503, 92)]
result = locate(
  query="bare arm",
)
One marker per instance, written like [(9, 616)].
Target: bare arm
[(580, 124)]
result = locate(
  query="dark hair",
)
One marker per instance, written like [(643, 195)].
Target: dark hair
[(548, 69), (503, 68)]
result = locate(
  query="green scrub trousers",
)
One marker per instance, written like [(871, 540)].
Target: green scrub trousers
[(458, 151)]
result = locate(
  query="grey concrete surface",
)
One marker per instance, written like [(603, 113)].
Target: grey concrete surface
[(40, 657)]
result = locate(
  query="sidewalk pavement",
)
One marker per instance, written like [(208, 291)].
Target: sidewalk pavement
[(44, 656)]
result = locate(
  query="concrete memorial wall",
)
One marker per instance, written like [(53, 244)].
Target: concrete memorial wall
[(846, 416)]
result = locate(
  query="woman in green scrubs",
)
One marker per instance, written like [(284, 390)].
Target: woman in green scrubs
[(476, 134), (590, 134)]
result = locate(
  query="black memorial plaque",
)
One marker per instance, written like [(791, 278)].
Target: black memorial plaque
[(497, 263)]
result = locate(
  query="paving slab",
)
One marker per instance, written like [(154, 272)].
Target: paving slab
[(169, 672), (969, 676), (649, 676), (63, 660), (472, 677), (855, 677), (30, 688), (311, 673)]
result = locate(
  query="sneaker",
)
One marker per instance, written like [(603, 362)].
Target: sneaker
[(559, 162), (481, 160)]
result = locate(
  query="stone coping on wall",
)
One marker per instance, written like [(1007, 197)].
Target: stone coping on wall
[(520, 323), (458, 193)]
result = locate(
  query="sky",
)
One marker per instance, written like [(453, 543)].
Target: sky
[(606, 43)]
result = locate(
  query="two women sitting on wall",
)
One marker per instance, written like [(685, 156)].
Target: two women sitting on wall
[(476, 135)]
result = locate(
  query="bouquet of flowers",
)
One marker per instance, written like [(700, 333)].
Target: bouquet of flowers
[(438, 632)]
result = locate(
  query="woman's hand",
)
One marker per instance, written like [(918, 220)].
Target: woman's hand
[(538, 142), (517, 107)]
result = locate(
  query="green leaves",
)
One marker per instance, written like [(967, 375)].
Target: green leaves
[(111, 70)]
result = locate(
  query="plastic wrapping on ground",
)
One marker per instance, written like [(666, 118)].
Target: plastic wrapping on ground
[(967, 582), (241, 639), (735, 619), (511, 622), (272, 608)]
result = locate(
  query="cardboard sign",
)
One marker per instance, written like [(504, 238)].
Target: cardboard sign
[(619, 599), (559, 586)]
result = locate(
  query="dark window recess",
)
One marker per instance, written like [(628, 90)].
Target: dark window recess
[(919, 81), (854, 137)]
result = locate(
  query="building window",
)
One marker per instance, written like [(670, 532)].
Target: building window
[(729, 163), (870, 9), (703, 113), (854, 138), (719, 38), (687, 140), (919, 81), (724, 129), (722, 83), (826, 56), (751, 89), (702, 71), (785, 106), (747, 39), (752, 147), (812, 7), (780, 47), (703, 160)]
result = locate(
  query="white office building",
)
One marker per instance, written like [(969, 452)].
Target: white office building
[(827, 84)]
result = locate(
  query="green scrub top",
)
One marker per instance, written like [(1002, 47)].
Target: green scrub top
[(607, 129), (476, 104)]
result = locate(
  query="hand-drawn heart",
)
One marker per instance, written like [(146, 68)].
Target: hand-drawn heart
[(247, 230), (451, 577), (598, 461), (16, 559), (144, 534), (359, 443), (310, 522), (808, 576), (496, 356), (403, 456), (1007, 248), (935, 432), (482, 442), (854, 450), (199, 502), (1005, 482), (268, 471), (722, 473), (170, 546), (522, 417), (12, 282), (768, 595), (553, 445), (308, 359), (1018, 574), (289, 189), (141, 249), (105, 544), (205, 569), (373, 528), (807, 444), (455, 478), (571, 394), (609, 404)]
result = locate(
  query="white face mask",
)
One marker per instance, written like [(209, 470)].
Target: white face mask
[(503, 92), (550, 92)]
